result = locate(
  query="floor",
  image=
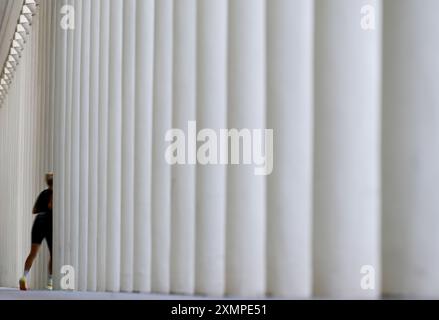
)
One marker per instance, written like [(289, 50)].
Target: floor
[(14, 294)]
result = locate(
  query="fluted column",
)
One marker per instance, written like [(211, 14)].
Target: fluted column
[(347, 150), (183, 176), (75, 140), (128, 145), (411, 149), (84, 137), (143, 144), (114, 147), (67, 143), (94, 164), (161, 171), (290, 115), (52, 30), (5, 207), (43, 127), (35, 125), (246, 202), (211, 178), (104, 56), (35, 67), (13, 228), (59, 148)]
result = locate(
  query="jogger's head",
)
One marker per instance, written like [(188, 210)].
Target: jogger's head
[(49, 179)]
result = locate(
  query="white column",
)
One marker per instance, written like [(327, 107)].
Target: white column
[(5, 273), (94, 164), (12, 245), (245, 251), (26, 150), (36, 66), (211, 113), (67, 143), (41, 129), (23, 242), (347, 150), (3, 207), (411, 149), (114, 147), (183, 184), (33, 97), (6, 215), (59, 148), (161, 171), (290, 115), (45, 88), (75, 140), (143, 145), (30, 142), (128, 129), (104, 51), (52, 29), (84, 147), (38, 30), (15, 227), (36, 134)]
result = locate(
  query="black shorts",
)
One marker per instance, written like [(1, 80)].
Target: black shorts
[(42, 229)]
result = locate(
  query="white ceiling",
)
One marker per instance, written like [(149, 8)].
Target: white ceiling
[(9, 13)]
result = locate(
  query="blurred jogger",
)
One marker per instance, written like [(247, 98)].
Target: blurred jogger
[(42, 229)]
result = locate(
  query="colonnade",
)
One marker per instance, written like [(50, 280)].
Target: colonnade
[(26, 149), (355, 118)]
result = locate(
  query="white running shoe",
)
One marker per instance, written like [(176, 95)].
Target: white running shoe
[(49, 285), (23, 284)]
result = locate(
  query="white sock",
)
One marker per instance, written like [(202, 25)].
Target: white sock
[(26, 272)]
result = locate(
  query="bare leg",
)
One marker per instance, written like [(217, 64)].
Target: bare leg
[(50, 265), (32, 256), (29, 261), (50, 280)]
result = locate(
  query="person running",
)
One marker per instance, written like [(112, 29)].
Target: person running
[(42, 229)]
